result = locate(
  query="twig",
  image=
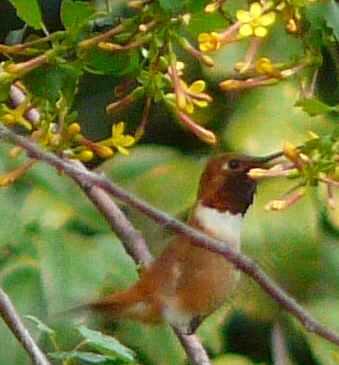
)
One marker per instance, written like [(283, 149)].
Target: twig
[(279, 346), (91, 42), (132, 240), (193, 348), (14, 323), (138, 250), (241, 261), (134, 244)]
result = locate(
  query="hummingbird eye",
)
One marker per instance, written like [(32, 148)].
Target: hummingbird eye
[(233, 164)]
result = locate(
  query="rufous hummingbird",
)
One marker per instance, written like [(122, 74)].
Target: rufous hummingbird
[(186, 283)]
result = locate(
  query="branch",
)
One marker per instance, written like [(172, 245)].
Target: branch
[(132, 240), (14, 323), (136, 247), (279, 346), (193, 348), (241, 261)]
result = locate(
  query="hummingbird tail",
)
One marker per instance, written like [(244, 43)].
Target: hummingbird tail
[(129, 304)]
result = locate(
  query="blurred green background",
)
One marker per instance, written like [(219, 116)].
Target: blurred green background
[(56, 251)]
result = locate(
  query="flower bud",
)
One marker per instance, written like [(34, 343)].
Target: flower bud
[(73, 129), (86, 156)]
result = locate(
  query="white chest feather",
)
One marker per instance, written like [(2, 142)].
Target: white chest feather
[(224, 226)]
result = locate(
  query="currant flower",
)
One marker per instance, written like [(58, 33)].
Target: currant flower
[(212, 7), (193, 95), (209, 41), (119, 140), (255, 21)]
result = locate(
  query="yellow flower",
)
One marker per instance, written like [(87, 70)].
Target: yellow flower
[(255, 21), (119, 140), (193, 95), (209, 41), (264, 66), (212, 7)]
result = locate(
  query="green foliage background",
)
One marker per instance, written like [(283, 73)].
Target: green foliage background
[(56, 251)]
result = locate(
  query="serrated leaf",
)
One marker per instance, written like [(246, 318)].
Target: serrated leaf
[(88, 357), (74, 14), (314, 107), (40, 325), (29, 12), (106, 343)]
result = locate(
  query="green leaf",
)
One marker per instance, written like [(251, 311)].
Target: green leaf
[(106, 343), (40, 325), (315, 107), (69, 267), (157, 344), (326, 310), (103, 63), (74, 14), (321, 15), (331, 15), (232, 359), (4, 91), (200, 22), (52, 81), (88, 357), (172, 5), (29, 12)]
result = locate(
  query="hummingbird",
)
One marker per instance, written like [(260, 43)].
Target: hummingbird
[(187, 283)]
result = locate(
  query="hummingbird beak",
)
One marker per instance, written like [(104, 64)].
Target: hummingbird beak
[(266, 161)]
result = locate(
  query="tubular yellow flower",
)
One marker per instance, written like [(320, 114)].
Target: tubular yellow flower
[(119, 140), (265, 66), (14, 175), (255, 21), (193, 95), (209, 41)]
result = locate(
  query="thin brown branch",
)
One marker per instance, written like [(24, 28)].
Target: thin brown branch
[(14, 323), (241, 261), (195, 351), (91, 42), (136, 247), (132, 240), (279, 346)]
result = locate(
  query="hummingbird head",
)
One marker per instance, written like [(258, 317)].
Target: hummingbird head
[(225, 184)]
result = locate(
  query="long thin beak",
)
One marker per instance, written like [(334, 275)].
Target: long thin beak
[(261, 161)]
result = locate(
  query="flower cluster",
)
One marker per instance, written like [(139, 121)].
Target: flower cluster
[(157, 76), (255, 21), (312, 164), (209, 41)]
